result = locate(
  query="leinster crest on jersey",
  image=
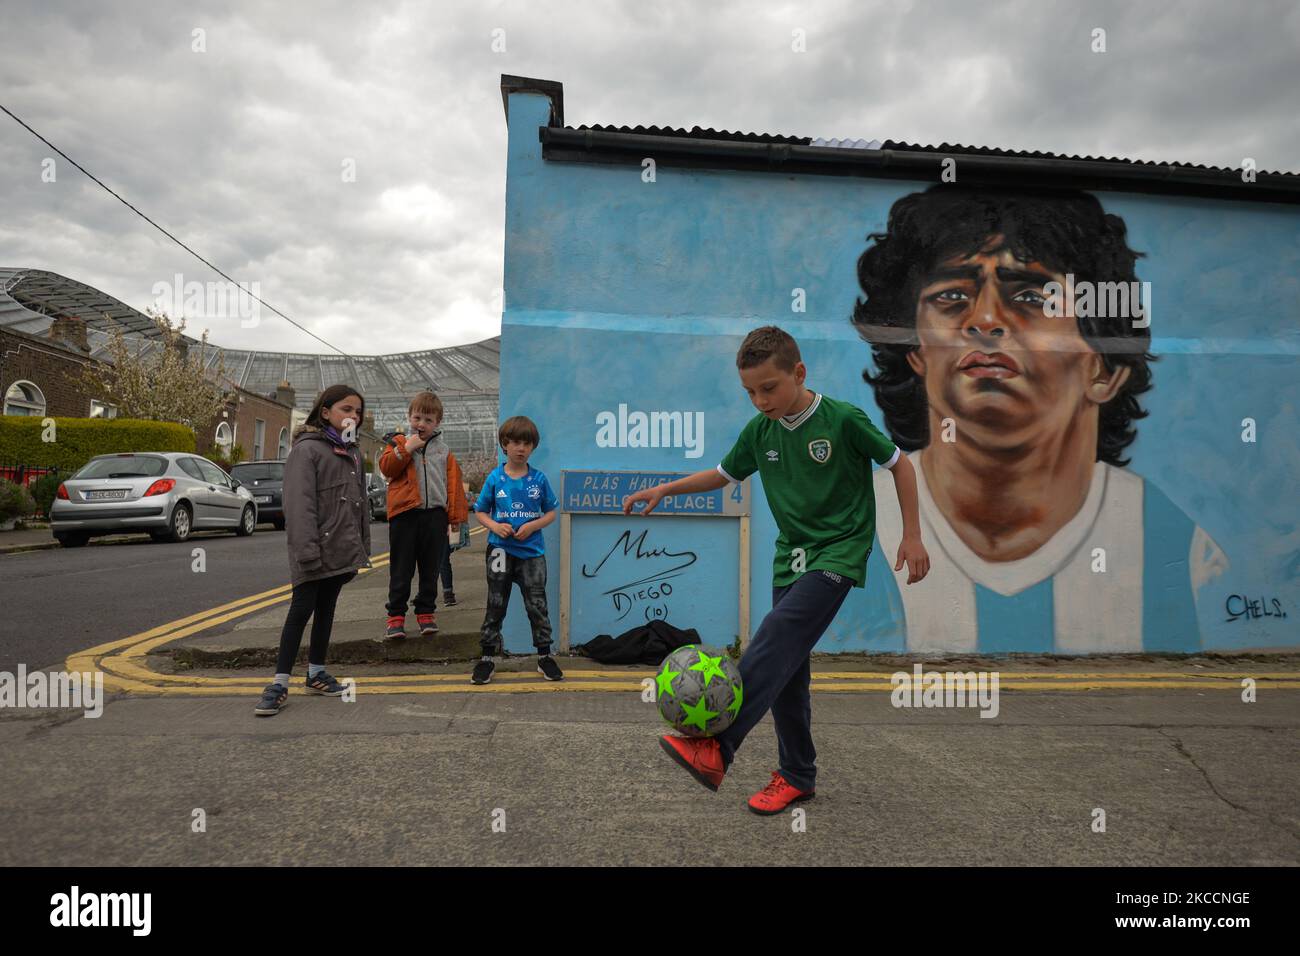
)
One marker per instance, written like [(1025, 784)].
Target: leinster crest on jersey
[(820, 449)]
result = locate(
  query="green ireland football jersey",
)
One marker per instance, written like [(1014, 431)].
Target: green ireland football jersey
[(816, 471)]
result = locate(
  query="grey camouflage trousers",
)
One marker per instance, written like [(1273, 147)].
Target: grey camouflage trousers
[(503, 571)]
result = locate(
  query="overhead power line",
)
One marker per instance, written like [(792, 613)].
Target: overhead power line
[(98, 182)]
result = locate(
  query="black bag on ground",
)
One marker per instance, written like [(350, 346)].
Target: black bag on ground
[(648, 644)]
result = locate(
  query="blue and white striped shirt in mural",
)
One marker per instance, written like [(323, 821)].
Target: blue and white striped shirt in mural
[(1051, 601)]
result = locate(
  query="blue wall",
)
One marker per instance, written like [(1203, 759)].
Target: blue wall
[(621, 291)]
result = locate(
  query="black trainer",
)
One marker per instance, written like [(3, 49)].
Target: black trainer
[(274, 699), (325, 685), (547, 667), (483, 672), (449, 598)]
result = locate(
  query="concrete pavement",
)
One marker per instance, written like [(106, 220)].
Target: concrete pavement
[(1184, 778)]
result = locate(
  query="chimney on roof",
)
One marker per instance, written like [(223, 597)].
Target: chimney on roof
[(71, 332), (285, 393)]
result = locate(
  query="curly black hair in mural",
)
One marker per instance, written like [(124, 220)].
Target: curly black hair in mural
[(1065, 230)]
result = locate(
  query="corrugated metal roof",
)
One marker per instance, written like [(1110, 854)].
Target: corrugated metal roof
[(699, 132), (702, 133), (950, 148), (846, 143)]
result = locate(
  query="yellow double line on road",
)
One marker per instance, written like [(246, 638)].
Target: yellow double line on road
[(125, 667)]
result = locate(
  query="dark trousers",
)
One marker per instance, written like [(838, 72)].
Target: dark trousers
[(530, 575), (776, 672), (446, 574), (315, 600), (417, 539)]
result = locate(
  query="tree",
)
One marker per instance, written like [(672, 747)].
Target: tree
[(167, 385)]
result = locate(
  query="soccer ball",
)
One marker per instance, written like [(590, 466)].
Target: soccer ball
[(698, 690)]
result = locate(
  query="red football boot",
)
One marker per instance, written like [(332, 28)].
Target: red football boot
[(701, 756), (777, 795)]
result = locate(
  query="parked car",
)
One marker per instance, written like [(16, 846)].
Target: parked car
[(265, 479), (168, 494), (377, 492)]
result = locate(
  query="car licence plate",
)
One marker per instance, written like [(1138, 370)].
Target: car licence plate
[(105, 495), (262, 499)]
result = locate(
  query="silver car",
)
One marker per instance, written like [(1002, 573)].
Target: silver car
[(168, 494)]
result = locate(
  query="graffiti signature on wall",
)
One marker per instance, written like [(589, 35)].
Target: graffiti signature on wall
[(651, 591), (1239, 606)]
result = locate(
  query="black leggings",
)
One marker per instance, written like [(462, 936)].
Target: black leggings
[(315, 600)]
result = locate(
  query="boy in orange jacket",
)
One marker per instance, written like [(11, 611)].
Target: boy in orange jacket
[(426, 500)]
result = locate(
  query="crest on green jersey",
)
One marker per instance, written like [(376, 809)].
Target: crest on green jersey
[(820, 449)]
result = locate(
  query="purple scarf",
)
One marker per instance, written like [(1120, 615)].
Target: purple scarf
[(334, 436)]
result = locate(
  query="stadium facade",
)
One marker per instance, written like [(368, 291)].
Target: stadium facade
[(465, 377)]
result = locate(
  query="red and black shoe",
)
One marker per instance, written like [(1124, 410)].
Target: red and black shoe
[(428, 624), (778, 795), (701, 756)]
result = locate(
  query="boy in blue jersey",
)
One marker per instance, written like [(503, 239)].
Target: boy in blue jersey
[(516, 503), (814, 454)]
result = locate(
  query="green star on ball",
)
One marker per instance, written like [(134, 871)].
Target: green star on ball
[(665, 681), (699, 715), (710, 667)]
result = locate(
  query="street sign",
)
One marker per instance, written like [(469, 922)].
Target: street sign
[(603, 492)]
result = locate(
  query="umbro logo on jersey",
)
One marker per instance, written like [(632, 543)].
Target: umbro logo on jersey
[(820, 449), (773, 455)]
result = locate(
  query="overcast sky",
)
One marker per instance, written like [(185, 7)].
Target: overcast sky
[(238, 150)]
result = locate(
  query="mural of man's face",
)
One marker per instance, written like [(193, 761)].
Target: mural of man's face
[(1008, 374)]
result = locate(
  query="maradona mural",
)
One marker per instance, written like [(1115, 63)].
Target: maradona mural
[(1016, 407)]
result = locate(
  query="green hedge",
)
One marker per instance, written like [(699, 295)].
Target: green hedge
[(77, 440)]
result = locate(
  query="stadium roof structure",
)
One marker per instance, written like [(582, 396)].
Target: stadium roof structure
[(465, 377)]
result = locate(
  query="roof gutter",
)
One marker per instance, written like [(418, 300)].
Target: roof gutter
[(603, 146)]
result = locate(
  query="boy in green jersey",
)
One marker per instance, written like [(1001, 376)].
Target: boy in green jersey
[(814, 455)]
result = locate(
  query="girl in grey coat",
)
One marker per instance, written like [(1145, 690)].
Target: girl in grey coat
[(327, 521)]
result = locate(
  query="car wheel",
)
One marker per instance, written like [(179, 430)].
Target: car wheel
[(181, 523), (247, 522), (72, 539)]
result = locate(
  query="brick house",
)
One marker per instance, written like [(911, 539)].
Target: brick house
[(41, 375), (261, 425)]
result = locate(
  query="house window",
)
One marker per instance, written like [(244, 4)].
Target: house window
[(224, 439), (24, 398), (100, 409), (259, 438), (283, 451)]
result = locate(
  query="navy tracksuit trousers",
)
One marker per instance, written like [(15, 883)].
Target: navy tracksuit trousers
[(776, 672)]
